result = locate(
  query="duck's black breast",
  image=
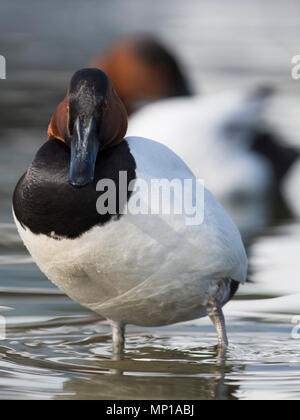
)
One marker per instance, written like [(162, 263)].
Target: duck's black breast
[(47, 204)]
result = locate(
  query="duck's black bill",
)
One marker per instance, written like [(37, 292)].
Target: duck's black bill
[(84, 151)]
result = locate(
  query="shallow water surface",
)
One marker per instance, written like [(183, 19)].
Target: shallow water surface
[(56, 349)]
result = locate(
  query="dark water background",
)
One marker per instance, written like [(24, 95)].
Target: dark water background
[(56, 349)]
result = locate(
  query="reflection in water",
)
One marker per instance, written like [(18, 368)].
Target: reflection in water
[(152, 369), (138, 387)]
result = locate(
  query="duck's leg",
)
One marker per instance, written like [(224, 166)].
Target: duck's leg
[(118, 338), (215, 313)]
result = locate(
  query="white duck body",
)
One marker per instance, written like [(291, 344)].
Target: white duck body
[(147, 269), (212, 134)]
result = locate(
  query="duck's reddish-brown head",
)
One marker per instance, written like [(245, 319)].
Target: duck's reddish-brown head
[(142, 69), (90, 119)]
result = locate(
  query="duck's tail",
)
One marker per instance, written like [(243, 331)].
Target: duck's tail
[(281, 156)]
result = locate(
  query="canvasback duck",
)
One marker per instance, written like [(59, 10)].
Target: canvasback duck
[(142, 69), (126, 260), (222, 143)]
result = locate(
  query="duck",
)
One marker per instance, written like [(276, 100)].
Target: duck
[(85, 213), (224, 142), (142, 69), (145, 73)]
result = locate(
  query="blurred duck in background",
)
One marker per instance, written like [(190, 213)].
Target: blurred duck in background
[(142, 69), (291, 190), (226, 145), (222, 140), (226, 140)]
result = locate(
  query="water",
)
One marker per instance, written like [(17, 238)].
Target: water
[(56, 349)]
